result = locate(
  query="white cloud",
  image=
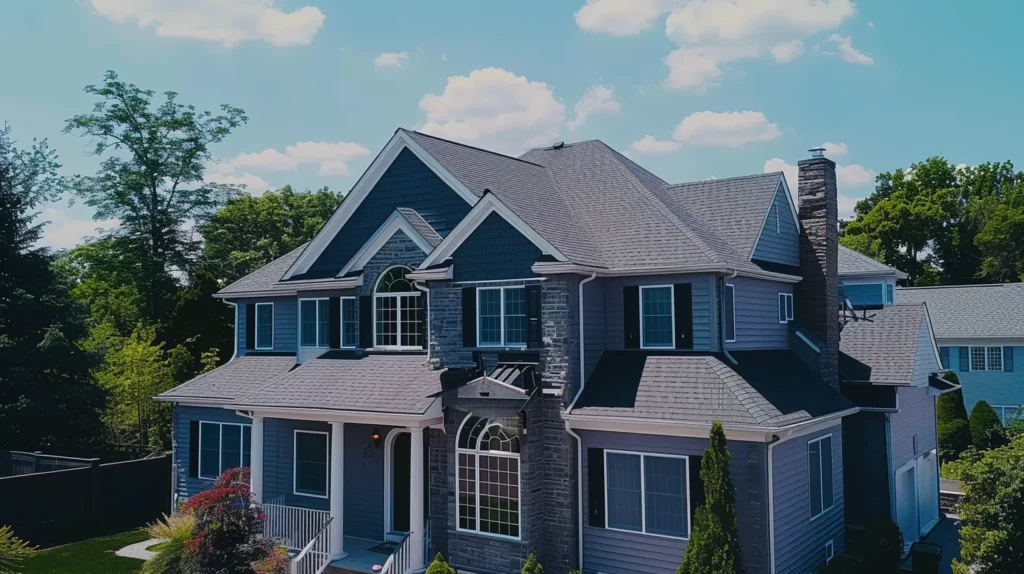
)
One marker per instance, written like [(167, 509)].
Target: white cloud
[(787, 51), (698, 68), (331, 158), (854, 175), (835, 149), (226, 21), (848, 52), (597, 99), (269, 160), (871, 25), (650, 145), (752, 21), (620, 17), (64, 231), (391, 59), (731, 129), (495, 109), (847, 177)]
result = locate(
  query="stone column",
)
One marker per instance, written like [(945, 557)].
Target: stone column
[(416, 519), (256, 459), (337, 490)]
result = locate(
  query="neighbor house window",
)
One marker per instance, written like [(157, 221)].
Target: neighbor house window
[(501, 316), (488, 478), (657, 327), (310, 463), (944, 357), (889, 293), (647, 493), (398, 313), (223, 446), (1009, 414), (264, 325), (819, 462), (785, 307), (314, 322), (349, 323), (986, 358), (729, 310)]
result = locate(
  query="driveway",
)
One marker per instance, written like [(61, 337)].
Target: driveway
[(946, 534)]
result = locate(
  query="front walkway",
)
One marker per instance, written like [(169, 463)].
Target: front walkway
[(139, 550), (946, 534)]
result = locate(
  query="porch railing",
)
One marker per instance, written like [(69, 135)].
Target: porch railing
[(398, 562), (316, 555), (294, 527)]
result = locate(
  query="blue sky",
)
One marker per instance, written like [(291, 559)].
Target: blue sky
[(689, 89)]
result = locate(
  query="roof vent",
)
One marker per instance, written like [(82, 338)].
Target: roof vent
[(817, 152), (558, 145)]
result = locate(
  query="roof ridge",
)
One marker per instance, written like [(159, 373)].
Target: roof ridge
[(865, 257), (724, 179), (467, 146), (734, 382)]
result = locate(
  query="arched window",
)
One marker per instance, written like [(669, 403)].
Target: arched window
[(398, 311), (488, 458)]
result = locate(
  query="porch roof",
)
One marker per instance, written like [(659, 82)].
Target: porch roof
[(232, 380), (349, 381)]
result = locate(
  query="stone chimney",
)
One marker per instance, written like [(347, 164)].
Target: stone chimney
[(817, 295)]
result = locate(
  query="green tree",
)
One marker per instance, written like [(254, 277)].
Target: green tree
[(201, 323), (951, 417), (992, 512), (986, 430), (714, 543), (13, 551), (532, 566), (152, 178), (1001, 240), (439, 566), (250, 232)]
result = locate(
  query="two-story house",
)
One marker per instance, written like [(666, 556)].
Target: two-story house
[(487, 356)]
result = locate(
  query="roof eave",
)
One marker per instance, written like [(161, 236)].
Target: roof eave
[(558, 268)]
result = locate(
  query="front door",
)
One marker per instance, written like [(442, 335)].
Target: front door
[(906, 504), (400, 471)]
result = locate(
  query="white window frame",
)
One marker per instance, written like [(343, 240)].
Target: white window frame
[(810, 475), (256, 325), (220, 446), (643, 493), (1007, 412), (986, 366), (785, 304), (345, 343), (830, 551), (672, 303), (730, 291), (318, 345), (503, 344), (295, 464), (398, 309), (476, 452)]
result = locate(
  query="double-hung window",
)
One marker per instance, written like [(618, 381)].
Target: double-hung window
[(223, 446), (398, 312), (349, 323), (310, 464), (657, 323), (488, 478), (785, 307), (647, 493), (501, 316), (729, 310), (264, 325), (314, 322), (986, 358), (819, 462), (889, 293)]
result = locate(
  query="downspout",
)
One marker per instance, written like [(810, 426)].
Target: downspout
[(721, 314), (579, 493), (771, 505), (234, 341), (426, 310)]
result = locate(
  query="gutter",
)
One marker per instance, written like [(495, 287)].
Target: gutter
[(547, 268), (583, 379), (234, 340), (771, 504), (579, 492)]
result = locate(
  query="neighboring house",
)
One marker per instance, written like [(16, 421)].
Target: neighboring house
[(489, 356), (979, 330), (866, 283)]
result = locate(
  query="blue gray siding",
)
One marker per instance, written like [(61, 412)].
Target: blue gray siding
[(864, 294), (495, 250), (594, 338), (925, 363), (703, 307), (408, 182), (181, 418), (779, 244), (800, 541), (866, 464), (999, 389), (632, 553), (285, 323), (916, 418), (757, 314)]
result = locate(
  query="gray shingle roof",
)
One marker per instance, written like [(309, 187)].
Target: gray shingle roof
[(265, 278), (883, 349), (343, 381), (971, 311), (421, 226), (852, 263), (232, 380)]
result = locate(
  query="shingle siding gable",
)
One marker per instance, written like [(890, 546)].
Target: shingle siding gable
[(495, 250), (779, 241)]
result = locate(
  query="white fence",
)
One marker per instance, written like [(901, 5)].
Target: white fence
[(398, 562), (316, 555), (294, 526)]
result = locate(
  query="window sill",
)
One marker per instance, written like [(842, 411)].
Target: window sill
[(488, 535), (639, 533), (310, 495), (515, 348)]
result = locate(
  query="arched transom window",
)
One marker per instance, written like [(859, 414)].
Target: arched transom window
[(488, 458), (398, 312)]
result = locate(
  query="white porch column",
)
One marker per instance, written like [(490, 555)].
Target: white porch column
[(416, 518), (337, 490), (256, 459)]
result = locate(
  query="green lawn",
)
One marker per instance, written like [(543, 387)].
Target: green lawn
[(95, 556)]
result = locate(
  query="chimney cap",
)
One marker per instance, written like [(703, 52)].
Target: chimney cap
[(817, 152)]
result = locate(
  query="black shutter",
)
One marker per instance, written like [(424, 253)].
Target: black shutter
[(250, 325), (683, 295), (944, 357), (422, 315), (696, 486), (193, 449), (595, 486), (631, 317), (334, 323), (366, 321), (1008, 359), (469, 316), (965, 358), (533, 314)]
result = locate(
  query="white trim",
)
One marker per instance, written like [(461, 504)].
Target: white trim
[(220, 447), (341, 321), (980, 341), (490, 281), (327, 343), (477, 453), (730, 287), (389, 483), (643, 492), (327, 464), (526, 327), (393, 224), (821, 472), (830, 551), (487, 205), (970, 356), (362, 188), (432, 416), (256, 325), (672, 306), (398, 346), (561, 268), (786, 305), (808, 341), (234, 338), (790, 202)]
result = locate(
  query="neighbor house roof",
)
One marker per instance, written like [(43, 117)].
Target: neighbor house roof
[(767, 389), (882, 346), (971, 311), (852, 264), (232, 380)]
